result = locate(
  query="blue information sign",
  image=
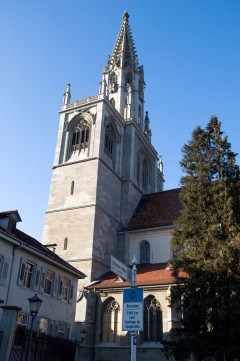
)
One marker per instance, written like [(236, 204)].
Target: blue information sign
[(132, 309), (134, 294)]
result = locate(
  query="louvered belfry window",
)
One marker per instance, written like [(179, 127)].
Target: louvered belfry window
[(81, 135)]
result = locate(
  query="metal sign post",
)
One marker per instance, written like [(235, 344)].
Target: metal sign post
[(133, 333), (133, 310), (132, 317)]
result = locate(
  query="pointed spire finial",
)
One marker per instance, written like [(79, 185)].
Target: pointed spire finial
[(134, 260), (124, 53), (126, 16), (160, 164), (67, 95), (146, 121)]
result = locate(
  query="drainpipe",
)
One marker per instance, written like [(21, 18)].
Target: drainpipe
[(95, 329), (11, 270)]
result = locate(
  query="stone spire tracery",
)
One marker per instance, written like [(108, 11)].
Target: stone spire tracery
[(123, 79)]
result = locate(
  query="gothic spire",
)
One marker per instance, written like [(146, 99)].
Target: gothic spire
[(124, 53), (67, 95)]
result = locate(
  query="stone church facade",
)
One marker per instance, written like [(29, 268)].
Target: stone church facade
[(106, 199)]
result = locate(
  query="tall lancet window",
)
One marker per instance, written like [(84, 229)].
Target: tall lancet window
[(143, 171), (72, 188), (140, 89), (153, 329), (113, 83), (129, 78), (81, 135), (139, 116), (110, 141), (112, 101), (65, 244), (110, 319)]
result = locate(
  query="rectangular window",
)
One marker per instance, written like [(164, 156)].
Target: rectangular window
[(22, 319), (1, 263), (43, 325), (4, 266), (26, 274), (37, 278), (65, 289), (48, 285), (61, 329)]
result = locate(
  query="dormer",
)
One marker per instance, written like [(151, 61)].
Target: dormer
[(8, 220)]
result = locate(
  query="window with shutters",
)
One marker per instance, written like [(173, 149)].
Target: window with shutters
[(43, 325), (4, 266), (65, 289), (61, 329), (22, 319), (26, 274), (48, 285), (43, 280)]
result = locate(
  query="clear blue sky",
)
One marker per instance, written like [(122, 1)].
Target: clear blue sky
[(190, 50)]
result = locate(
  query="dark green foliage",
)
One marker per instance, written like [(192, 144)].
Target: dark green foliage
[(207, 243)]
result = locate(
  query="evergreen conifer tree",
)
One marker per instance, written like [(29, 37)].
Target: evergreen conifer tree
[(206, 241)]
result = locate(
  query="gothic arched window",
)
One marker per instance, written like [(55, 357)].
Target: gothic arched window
[(139, 115), (145, 252), (143, 170), (153, 329), (129, 78), (140, 89), (109, 144), (145, 173), (80, 135), (113, 83), (110, 320), (112, 101)]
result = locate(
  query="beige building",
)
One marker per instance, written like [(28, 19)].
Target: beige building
[(28, 268), (106, 199), (148, 236), (104, 162)]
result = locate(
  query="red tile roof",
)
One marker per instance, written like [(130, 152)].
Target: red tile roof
[(33, 243), (147, 274), (156, 210)]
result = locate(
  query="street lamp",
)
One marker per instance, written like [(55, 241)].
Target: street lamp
[(34, 304)]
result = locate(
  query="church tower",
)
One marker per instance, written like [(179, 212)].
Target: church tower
[(104, 162)]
